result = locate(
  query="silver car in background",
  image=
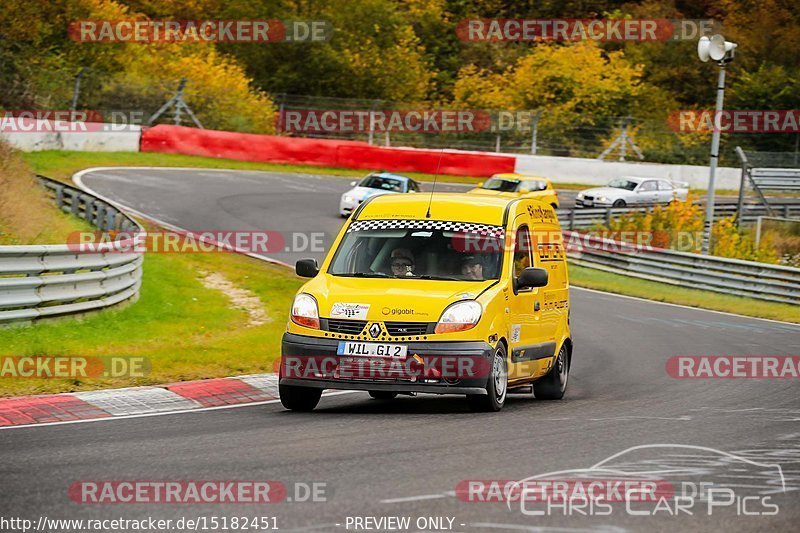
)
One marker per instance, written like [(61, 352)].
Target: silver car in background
[(633, 191), (374, 184)]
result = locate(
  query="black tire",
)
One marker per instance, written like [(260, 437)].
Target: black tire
[(619, 203), (383, 394), (555, 206), (299, 398), (553, 385), (496, 387)]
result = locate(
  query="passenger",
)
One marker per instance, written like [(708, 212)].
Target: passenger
[(402, 262), (471, 268)]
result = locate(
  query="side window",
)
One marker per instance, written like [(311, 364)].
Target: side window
[(648, 186), (664, 185), (522, 250)]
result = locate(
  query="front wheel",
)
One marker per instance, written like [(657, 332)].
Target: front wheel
[(554, 384), (299, 398), (619, 203), (497, 385)]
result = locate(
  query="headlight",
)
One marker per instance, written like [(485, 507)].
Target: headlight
[(459, 316), (602, 199), (349, 199), (305, 312), (580, 195)]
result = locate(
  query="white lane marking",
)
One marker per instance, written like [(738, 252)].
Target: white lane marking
[(632, 417), (683, 306), (416, 498), (136, 400), (147, 415)]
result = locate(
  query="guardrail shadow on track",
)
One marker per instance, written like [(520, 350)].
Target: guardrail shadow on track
[(51, 280)]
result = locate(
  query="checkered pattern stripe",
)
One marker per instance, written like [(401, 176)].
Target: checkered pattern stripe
[(445, 225)]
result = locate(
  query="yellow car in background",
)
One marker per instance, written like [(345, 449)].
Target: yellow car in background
[(518, 186)]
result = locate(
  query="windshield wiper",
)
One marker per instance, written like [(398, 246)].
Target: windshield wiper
[(364, 275), (438, 278)]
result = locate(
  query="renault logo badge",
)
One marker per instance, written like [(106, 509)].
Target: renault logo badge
[(375, 330)]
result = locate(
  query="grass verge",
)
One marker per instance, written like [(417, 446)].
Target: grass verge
[(661, 292)]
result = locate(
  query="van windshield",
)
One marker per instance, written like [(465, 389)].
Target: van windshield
[(420, 249)]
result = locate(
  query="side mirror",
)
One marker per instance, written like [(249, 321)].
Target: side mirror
[(306, 268), (532, 277), (353, 183)]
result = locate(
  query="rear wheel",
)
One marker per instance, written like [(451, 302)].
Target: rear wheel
[(383, 394), (554, 384), (619, 203), (299, 398), (496, 387)]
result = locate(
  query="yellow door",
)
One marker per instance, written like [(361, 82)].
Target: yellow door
[(529, 342)]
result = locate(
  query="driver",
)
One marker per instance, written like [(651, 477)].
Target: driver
[(471, 268), (402, 262)]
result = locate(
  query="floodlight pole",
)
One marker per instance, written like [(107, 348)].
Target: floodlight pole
[(708, 227)]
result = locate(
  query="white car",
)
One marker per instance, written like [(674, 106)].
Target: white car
[(633, 191), (376, 183)]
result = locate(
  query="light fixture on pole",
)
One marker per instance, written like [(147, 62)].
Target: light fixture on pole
[(717, 49)]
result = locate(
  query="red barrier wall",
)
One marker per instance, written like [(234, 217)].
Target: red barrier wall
[(296, 150)]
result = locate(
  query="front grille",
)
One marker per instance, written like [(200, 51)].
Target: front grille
[(403, 329), (349, 327), (588, 197)]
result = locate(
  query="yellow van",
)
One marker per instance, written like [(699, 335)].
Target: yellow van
[(512, 185), (440, 293)]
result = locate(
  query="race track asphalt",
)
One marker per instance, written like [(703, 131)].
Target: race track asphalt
[(406, 457)]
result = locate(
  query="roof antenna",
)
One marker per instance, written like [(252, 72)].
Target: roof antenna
[(433, 187)]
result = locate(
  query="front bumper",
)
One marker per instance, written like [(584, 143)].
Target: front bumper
[(301, 348), (347, 207), (589, 204)]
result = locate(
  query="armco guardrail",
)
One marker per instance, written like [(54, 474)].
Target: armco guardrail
[(573, 218), (731, 276), (55, 279)]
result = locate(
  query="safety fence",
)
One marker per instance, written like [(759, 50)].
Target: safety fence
[(577, 218), (42, 281), (718, 274)]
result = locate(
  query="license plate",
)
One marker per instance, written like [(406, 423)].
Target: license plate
[(371, 349), (588, 202)]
